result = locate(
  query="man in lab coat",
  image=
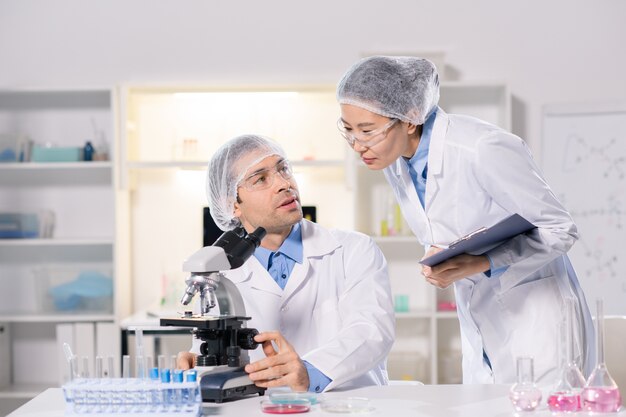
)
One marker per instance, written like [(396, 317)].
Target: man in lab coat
[(321, 296)]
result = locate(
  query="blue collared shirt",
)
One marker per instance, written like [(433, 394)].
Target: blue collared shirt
[(418, 168), (418, 164), (280, 264)]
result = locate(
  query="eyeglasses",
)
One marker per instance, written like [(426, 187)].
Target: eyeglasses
[(365, 139), (264, 179)]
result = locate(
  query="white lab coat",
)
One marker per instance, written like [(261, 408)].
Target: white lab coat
[(478, 174), (336, 309)]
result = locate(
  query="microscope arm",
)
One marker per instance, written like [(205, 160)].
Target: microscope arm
[(229, 298)]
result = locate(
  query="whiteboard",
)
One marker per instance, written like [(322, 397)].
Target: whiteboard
[(584, 161)]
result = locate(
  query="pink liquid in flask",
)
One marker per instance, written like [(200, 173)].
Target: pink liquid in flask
[(601, 399), (565, 402)]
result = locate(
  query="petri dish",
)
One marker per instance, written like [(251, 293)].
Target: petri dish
[(348, 405), (294, 407), (279, 397)]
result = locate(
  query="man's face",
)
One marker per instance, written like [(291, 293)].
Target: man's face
[(268, 196)]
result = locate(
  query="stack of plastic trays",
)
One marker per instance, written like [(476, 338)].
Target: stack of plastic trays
[(139, 396)]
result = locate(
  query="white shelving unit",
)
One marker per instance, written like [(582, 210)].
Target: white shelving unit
[(81, 195), (169, 133)]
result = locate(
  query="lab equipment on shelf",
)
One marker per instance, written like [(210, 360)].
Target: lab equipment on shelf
[(524, 394), (27, 225), (601, 393)]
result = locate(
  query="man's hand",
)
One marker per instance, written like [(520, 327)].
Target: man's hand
[(280, 368), (185, 360), (454, 269)]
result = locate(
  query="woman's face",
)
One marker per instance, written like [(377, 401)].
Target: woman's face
[(399, 139)]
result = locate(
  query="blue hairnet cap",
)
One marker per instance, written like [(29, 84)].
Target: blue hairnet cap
[(398, 87)]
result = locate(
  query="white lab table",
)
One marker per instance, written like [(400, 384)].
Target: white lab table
[(388, 401)]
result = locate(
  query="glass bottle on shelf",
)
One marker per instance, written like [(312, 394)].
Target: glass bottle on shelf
[(565, 396), (601, 394), (524, 394)]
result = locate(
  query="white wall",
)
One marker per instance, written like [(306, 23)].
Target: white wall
[(548, 51)]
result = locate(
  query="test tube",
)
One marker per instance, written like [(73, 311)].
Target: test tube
[(139, 361), (139, 367), (99, 361), (125, 366), (85, 373), (162, 365), (111, 367), (73, 361)]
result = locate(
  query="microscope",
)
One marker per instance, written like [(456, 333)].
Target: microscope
[(225, 338)]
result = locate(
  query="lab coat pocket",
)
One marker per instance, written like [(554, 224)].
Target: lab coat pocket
[(327, 321), (533, 311)]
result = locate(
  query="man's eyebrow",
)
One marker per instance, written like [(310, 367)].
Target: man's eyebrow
[(280, 161)]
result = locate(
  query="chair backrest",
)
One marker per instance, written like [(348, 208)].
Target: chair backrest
[(615, 349)]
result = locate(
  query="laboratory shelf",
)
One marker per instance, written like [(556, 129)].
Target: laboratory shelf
[(417, 314), (55, 318), (57, 242), (23, 390), (61, 173), (446, 315), (203, 164), (56, 166)]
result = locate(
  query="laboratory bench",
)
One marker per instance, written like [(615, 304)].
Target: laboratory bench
[(393, 400)]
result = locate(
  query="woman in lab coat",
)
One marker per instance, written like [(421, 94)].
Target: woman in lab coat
[(452, 175)]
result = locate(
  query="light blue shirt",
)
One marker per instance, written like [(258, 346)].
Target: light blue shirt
[(418, 164), (280, 264), (418, 168)]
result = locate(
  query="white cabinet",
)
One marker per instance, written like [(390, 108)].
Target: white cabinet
[(168, 134), (68, 276)]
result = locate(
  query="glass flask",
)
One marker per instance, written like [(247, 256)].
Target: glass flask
[(565, 397), (601, 394), (524, 394)]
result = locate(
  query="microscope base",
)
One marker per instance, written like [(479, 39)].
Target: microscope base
[(232, 384)]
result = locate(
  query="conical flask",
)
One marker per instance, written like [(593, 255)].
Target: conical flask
[(601, 394), (565, 396), (524, 394)]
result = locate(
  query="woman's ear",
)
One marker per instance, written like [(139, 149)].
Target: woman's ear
[(411, 129)]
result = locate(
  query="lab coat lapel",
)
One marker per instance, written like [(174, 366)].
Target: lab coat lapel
[(409, 201), (435, 156), (259, 279), (316, 242)]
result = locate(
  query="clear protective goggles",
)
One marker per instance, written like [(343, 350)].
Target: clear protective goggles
[(264, 179), (365, 139)]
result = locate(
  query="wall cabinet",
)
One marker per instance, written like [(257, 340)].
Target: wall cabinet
[(168, 134), (65, 275)]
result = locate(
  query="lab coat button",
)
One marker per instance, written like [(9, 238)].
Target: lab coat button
[(284, 309)]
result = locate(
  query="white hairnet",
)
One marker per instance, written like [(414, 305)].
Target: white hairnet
[(227, 168), (398, 87)]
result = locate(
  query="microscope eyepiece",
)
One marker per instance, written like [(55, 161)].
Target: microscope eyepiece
[(238, 246), (257, 236)]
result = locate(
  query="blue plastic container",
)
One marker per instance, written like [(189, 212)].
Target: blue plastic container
[(19, 226)]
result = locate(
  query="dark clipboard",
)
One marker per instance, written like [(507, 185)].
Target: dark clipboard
[(482, 240)]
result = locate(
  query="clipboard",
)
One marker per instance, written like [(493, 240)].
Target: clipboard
[(482, 240)]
